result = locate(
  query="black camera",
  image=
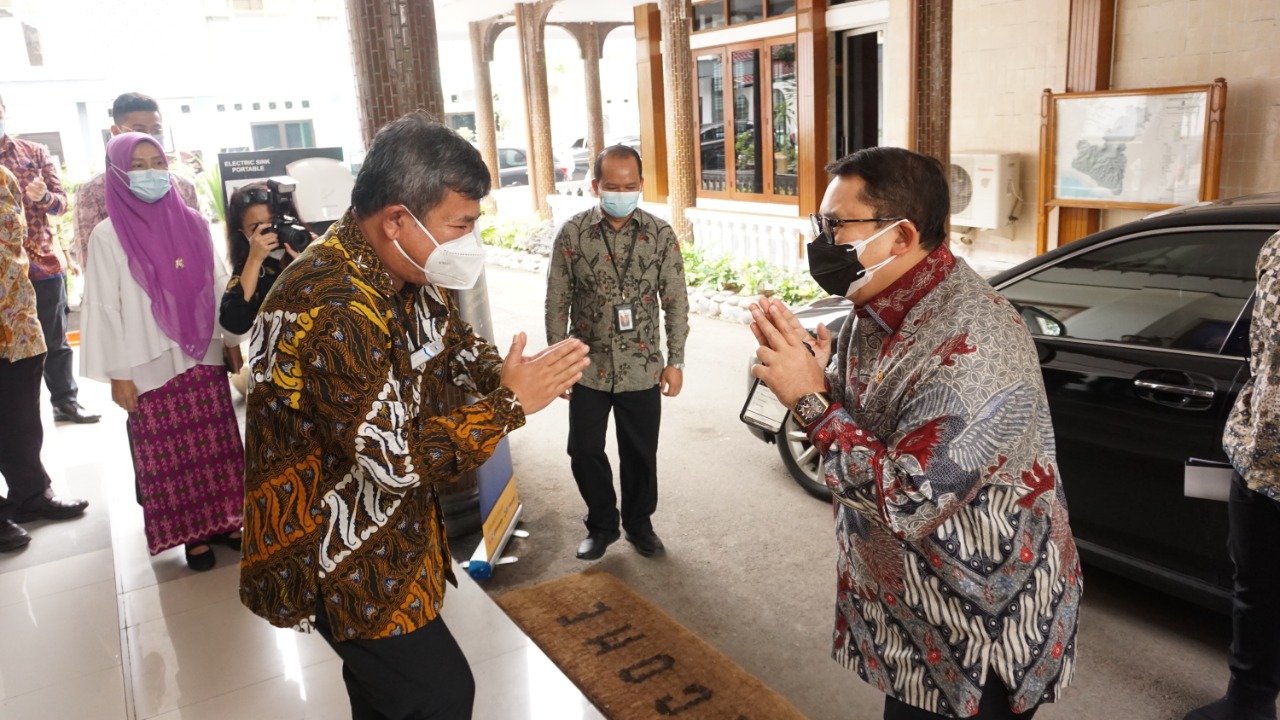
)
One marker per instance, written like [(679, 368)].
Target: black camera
[(287, 227)]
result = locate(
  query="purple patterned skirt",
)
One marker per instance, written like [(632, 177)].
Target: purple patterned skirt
[(188, 459)]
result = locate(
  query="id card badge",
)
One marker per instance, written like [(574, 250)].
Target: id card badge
[(425, 353), (624, 319)]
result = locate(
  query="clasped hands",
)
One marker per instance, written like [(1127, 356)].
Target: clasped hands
[(538, 379), (793, 362)]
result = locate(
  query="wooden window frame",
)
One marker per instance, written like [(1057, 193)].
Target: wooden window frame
[(724, 7), (764, 128)]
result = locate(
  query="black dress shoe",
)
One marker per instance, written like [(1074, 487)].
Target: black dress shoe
[(73, 412), (54, 508), (647, 545), (202, 561), (227, 539), (594, 546), (12, 537)]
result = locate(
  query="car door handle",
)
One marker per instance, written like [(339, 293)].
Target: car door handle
[(1176, 389)]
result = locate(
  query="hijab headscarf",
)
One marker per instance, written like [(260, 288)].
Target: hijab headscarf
[(169, 249)]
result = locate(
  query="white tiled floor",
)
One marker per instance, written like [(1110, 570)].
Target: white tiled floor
[(93, 627)]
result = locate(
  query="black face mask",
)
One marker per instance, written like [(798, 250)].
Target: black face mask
[(834, 267)]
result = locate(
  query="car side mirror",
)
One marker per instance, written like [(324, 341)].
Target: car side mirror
[(1041, 322)]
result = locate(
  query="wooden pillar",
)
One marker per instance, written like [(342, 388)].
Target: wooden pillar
[(1090, 39), (929, 129), (678, 71), (813, 79), (591, 37), (397, 64), (652, 102), (486, 130), (531, 19)]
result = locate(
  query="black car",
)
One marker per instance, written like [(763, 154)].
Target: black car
[(1142, 332)]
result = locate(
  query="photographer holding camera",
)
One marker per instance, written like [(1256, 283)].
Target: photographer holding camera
[(263, 235)]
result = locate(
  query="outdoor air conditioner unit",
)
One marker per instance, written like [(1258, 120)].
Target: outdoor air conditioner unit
[(984, 188)]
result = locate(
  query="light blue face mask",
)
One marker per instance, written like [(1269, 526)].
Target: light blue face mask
[(619, 204), (149, 185)]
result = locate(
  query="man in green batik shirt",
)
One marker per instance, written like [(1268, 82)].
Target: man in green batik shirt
[(614, 269)]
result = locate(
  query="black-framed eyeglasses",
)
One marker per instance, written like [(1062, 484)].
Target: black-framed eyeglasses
[(830, 226)]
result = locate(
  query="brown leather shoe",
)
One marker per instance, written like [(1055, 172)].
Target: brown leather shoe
[(12, 537)]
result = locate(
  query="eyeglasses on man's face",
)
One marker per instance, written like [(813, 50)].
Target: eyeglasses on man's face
[(826, 228)]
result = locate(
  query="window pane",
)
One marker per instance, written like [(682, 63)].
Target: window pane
[(266, 137), (1180, 291), (785, 125), (781, 7), (748, 169), (708, 15), (711, 121), (741, 11), (293, 135)]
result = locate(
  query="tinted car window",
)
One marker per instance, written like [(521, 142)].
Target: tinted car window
[(1181, 290)]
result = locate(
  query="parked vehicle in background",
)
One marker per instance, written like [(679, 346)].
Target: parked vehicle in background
[(513, 165), (1143, 337), (581, 156)]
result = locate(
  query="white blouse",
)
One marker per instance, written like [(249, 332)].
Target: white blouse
[(119, 336)]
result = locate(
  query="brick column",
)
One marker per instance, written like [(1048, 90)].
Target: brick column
[(531, 20), (486, 133), (678, 69), (397, 63), (590, 37), (930, 117)]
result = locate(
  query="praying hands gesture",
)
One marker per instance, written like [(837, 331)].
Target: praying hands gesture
[(793, 361)]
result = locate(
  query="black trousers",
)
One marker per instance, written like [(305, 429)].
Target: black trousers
[(638, 415), (21, 436), (994, 705), (1255, 613), (419, 676), (51, 307)]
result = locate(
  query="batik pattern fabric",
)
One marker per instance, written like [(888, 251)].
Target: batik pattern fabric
[(1252, 437), (188, 459), (348, 439), (21, 336), (29, 162), (593, 269), (91, 208), (955, 558)]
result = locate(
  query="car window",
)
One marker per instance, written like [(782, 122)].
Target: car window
[(510, 157), (1181, 290)]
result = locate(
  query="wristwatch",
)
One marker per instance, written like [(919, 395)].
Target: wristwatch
[(810, 408)]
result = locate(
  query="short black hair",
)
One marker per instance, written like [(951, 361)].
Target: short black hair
[(414, 161), (132, 102), (616, 151), (899, 183)]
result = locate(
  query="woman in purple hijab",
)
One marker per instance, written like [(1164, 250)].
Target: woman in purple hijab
[(149, 327)]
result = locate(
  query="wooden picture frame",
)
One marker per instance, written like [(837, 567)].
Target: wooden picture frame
[(1147, 149)]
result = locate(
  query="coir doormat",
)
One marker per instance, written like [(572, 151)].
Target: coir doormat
[(631, 659)]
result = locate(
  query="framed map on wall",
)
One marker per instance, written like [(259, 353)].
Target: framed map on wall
[(1129, 149)]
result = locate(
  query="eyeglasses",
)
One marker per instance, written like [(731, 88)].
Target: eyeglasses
[(830, 226)]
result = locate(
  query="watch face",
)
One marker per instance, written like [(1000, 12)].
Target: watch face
[(810, 407)]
